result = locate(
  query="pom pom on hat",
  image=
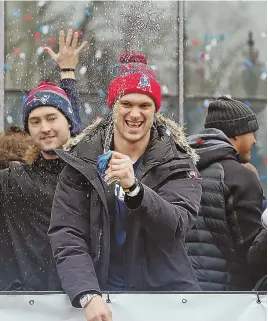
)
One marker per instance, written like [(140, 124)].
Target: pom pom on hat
[(127, 57)]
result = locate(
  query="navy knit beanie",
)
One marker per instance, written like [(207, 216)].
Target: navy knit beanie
[(49, 94)]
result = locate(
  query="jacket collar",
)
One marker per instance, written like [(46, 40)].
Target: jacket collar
[(162, 126)]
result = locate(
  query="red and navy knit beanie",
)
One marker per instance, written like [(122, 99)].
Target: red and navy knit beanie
[(49, 94), (133, 75)]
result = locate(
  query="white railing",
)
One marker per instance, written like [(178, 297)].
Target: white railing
[(231, 306)]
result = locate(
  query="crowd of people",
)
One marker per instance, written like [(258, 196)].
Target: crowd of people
[(129, 203)]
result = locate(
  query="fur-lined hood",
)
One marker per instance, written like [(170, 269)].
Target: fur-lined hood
[(172, 128), (14, 143)]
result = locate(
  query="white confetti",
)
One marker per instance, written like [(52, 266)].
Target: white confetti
[(208, 47), (214, 42), (165, 90), (10, 119), (83, 70), (22, 55), (206, 103), (41, 4), (39, 51), (88, 109), (154, 67), (263, 76), (206, 57), (98, 54), (45, 30)]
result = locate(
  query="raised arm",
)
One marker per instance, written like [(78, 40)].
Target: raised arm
[(67, 60)]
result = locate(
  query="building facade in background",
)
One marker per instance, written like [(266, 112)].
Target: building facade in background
[(225, 50)]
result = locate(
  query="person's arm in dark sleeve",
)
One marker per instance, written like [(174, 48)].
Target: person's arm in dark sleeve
[(257, 257), (10, 276), (246, 203), (171, 211), (68, 84), (70, 236)]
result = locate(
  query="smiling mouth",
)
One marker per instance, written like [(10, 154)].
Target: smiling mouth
[(47, 138), (132, 124)]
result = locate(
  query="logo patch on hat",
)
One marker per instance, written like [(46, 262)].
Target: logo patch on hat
[(43, 98), (144, 83)]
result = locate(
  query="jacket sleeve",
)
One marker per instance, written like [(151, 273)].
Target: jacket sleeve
[(10, 279), (69, 86), (257, 257), (245, 202), (171, 211), (70, 235)]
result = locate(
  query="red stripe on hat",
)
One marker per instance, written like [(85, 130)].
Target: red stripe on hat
[(48, 86)]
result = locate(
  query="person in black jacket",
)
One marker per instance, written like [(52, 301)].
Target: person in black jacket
[(27, 189), (257, 257), (231, 206), (126, 236)]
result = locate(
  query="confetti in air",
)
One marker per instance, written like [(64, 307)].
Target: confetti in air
[(98, 54), (16, 51), (88, 109), (263, 76), (83, 70), (6, 67), (206, 103), (27, 17), (16, 14), (41, 3), (52, 39), (9, 119), (101, 93), (22, 55), (39, 51), (37, 35), (214, 42), (165, 90)]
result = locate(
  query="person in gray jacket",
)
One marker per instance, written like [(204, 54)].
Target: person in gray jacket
[(127, 236)]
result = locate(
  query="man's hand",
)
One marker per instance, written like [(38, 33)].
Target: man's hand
[(67, 57), (121, 166), (97, 310)]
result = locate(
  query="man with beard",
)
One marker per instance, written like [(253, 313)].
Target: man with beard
[(126, 236), (229, 219), (27, 189)]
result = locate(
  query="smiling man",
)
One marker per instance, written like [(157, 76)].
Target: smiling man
[(127, 236), (48, 117), (27, 189)]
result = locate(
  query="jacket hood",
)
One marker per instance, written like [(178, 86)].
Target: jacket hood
[(211, 145), (163, 125), (31, 154), (13, 144)]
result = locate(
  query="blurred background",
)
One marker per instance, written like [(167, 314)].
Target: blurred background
[(200, 49)]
